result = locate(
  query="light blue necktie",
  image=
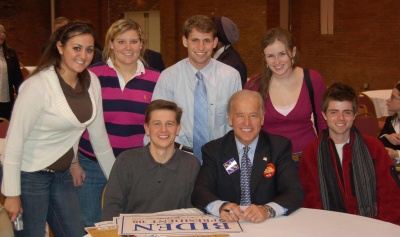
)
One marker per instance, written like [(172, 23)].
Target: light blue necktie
[(245, 173), (200, 131)]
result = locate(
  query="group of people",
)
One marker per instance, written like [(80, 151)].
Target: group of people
[(186, 136)]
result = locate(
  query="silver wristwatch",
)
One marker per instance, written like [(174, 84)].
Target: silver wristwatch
[(270, 211)]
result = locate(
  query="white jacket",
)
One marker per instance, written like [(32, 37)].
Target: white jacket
[(43, 128)]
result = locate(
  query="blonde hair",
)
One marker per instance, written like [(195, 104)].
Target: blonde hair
[(120, 27)]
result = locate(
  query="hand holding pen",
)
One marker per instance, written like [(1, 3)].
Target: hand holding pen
[(230, 212)]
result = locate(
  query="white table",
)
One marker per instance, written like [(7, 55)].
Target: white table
[(379, 98), (307, 222)]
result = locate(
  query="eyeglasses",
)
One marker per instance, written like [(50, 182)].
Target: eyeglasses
[(393, 98)]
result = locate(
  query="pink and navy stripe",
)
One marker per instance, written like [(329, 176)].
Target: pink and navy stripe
[(123, 110)]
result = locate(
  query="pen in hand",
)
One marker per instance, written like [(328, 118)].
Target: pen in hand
[(229, 211)]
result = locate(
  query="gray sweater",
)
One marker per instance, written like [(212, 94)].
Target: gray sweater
[(138, 184)]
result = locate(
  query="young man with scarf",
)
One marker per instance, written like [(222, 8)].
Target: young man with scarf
[(345, 171)]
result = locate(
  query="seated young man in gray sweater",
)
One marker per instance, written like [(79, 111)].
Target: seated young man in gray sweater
[(156, 177)]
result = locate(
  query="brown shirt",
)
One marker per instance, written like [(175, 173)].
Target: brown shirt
[(79, 101)]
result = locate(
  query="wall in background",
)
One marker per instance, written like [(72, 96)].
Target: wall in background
[(363, 48)]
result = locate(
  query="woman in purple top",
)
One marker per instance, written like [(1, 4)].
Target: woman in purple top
[(127, 85), (288, 108)]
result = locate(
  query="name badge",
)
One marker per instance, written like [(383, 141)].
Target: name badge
[(231, 166)]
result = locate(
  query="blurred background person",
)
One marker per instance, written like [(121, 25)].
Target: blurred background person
[(10, 75), (390, 133), (283, 86), (58, 23), (127, 88), (228, 34), (98, 49), (154, 59), (55, 106)]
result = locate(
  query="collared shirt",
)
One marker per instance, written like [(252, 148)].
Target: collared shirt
[(251, 151), (177, 84), (213, 207), (220, 51), (139, 184), (4, 86), (122, 83)]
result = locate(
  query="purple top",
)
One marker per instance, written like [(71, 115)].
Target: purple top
[(297, 125)]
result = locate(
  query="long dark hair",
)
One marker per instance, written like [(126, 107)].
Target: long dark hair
[(269, 38), (51, 56)]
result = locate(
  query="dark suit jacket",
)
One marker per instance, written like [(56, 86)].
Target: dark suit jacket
[(14, 73), (214, 183), (154, 59), (232, 58), (388, 129)]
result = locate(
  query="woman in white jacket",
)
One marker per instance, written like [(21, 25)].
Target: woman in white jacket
[(55, 105)]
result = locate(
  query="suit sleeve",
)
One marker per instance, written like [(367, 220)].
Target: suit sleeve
[(204, 191)]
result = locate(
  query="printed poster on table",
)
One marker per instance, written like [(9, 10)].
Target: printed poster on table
[(171, 225)]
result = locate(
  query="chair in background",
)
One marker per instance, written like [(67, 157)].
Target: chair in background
[(366, 100), (367, 123), (24, 70), (362, 109), (3, 127)]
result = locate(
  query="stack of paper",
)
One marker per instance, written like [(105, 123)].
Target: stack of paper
[(173, 223)]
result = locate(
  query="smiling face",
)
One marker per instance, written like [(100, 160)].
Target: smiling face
[(76, 54), (126, 47), (162, 129), (278, 59), (339, 117), (246, 118), (200, 47)]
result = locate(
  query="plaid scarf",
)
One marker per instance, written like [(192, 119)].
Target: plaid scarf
[(363, 173)]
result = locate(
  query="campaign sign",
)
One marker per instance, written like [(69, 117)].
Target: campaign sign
[(188, 225)]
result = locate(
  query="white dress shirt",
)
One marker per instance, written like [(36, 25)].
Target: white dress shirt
[(177, 84)]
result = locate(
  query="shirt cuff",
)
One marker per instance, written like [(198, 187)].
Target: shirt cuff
[(213, 207), (383, 135), (279, 210)]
